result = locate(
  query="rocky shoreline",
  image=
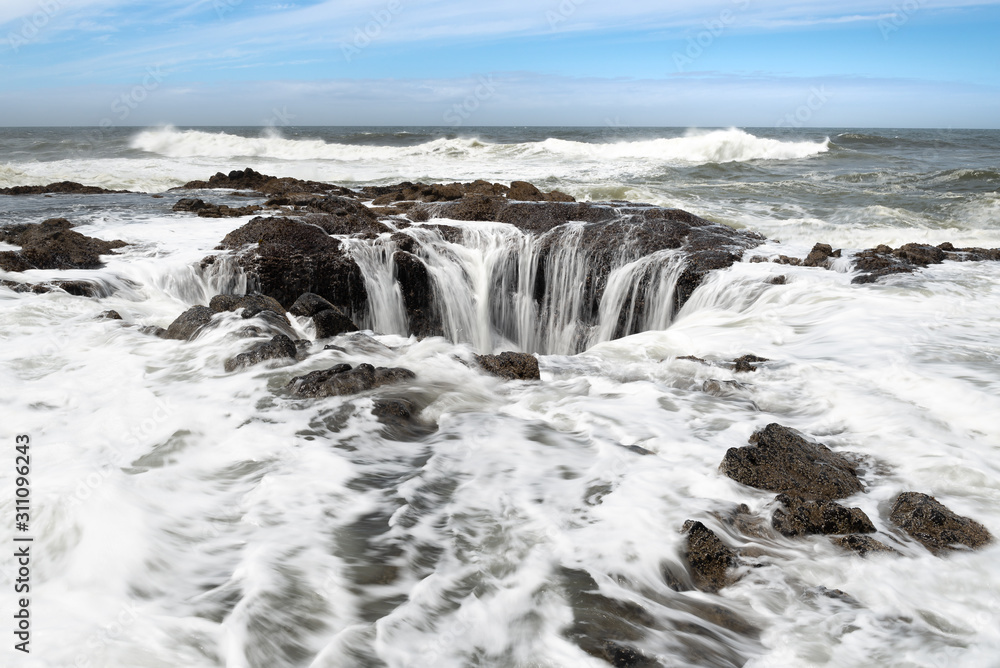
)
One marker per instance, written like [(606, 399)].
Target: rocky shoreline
[(296, 265)]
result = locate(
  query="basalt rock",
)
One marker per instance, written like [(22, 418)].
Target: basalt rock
[(280, 347), (109, 315), (511, 365), (802, 517), (781, 460), (747, 363), (709, 559), (418, 294), (248, 179), (189, 323), (293, 257), (68, 187), (449, 192), (864, 545), (205, 210), (332, 322), (342, 379), (309, 304), (936, 527), (821, 256), (252, 305), (883, 260), (52, 245)]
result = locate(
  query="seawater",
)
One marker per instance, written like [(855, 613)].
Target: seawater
[(184, 516)]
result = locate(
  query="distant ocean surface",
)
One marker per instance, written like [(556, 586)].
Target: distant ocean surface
[(185, 516)]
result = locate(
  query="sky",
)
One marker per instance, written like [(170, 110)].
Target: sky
[(714, 63)]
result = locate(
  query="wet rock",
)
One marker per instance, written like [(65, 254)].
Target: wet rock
[(803, 517), (342, 379), (779, 459), (392, 409), (153, 330), (748, 363), (934, 526), (109, 315), (821, 256), (191, 205), (522, 190), (70, 187), (781, 279), (189, 323), (511, 365), (332, 322), (708, 558), (417, 289), (741, 519), (863, 545), (309, 304), (206, 210), (280, 347), (293, 257), (248, 179), (52, 245), (874, 263), (252, 305)]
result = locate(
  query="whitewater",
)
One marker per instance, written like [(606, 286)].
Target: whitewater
[(183, 515)]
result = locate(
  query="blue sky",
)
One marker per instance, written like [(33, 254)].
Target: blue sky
[(860, 63)]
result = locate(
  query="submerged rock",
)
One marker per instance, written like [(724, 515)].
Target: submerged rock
[(69, 187), (252, 305), (332, 322), (207, 210), (189, 323), (781, 460), (708, 557), (109, 315), (280, 347), (52, 245), (864, 545), (748, 363), (802, 517), (934, 526), (874, 263), (511, 365), (343, 379)]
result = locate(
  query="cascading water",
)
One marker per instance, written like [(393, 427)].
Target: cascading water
[(501, 288)]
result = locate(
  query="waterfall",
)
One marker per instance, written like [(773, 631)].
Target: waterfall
[(498, 287)]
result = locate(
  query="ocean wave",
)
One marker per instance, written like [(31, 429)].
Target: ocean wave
[(717, 146)]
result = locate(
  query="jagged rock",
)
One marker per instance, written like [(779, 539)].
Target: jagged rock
[(70, 187), (342, 379), (417, 289), (52, 245), (748, 363), (109, 315), (882, 260), (708, 557), (280, 347), (781, 460), (252, 305), (511, 365), (309, 304), (206, 210), (293, 257), (332, 322), (189, 323), (248, 179), (524, 191), (392, 409), (934, 526), (863, 545), (802, 517), (820, 256)]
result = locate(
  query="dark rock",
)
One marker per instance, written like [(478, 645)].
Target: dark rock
[(153, 330), (109, 315), (522, 190), (778, 280), (417, 289), (309, 304), (52, 245), (882, 260), (189, 323), (708, 557), (934, 526), (781, 460), (80, 288), (248, 179), (294, 257), (252, 305), (206, 210), (332, 322), (748, 363), (802, 517), (342, 379), (280, 347), (69, 187), (820, 256), (189, 205), (392, 409), (863, 545), (511, 365)]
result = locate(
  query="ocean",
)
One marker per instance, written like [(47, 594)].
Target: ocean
[(183, 515)]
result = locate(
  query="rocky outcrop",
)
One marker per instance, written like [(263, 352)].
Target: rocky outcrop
[(936, 527), (883, 260), (342, 379), (76, 288), (189, 323), (252, 305), (708, 558), (864, 545), (62, 187), (280, 347), (802, 517), (781, 460), (510, 365), (448, 192), (748, 363), (332, 322), (292, 257), (206, 210), (418, 293), (52, 244), (248, 179)]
